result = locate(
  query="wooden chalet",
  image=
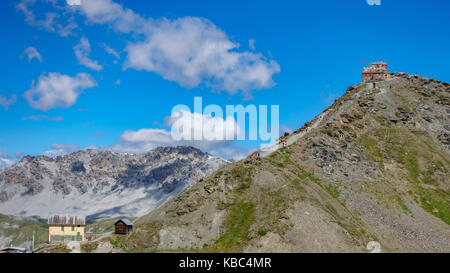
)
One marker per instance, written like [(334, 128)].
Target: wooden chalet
[(123, 227)]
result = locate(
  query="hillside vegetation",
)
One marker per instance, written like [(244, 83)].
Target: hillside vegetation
[(375, 169), (18, 231)]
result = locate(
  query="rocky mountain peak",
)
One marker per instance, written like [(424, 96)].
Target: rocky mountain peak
[(101, 183)]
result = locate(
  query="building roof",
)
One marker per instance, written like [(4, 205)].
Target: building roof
[(70, 220), (126, 221)]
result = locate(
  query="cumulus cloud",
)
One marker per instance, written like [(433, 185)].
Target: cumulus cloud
[(74, 2), (57, 90), (82, 52), (108, 12), (157, 137), (5, 102), (189, 126), (60, 149), (50, 21), (43, 117), (32, 53), (191, 51), (143, 140)]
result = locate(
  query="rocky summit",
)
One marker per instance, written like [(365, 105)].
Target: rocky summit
[(101, 183), (369, 174)]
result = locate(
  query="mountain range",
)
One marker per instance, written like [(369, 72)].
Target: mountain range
[(101, 184)]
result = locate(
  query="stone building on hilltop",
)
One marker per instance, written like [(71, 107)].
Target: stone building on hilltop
[(375, 72)]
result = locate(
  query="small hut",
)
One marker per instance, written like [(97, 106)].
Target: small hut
[(123, 226)]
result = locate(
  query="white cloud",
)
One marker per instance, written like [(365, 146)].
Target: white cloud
[(190, 51), (59, 149), (193, 51), (143, 140), (145, 137), (49, 22), (157, 138), (32, 53), (203, 126), (8, 102), (106, 11), (56, 90), (82, 52), (110, 50), (73, 2), (5, 163), (5, 160)]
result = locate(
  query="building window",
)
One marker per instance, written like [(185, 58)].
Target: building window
[(62, 238), (62, 228), (78, 234), (73, 238), (73, 228)]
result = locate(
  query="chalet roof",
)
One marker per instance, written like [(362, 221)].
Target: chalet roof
[(126, 221), (66, 220)]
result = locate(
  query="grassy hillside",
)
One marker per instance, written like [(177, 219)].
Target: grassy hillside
[(15, 231)]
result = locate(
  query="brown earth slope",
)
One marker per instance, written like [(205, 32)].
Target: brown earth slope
[(375, 169)]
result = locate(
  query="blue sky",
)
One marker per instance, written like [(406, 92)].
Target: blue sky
[(106, 74)]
